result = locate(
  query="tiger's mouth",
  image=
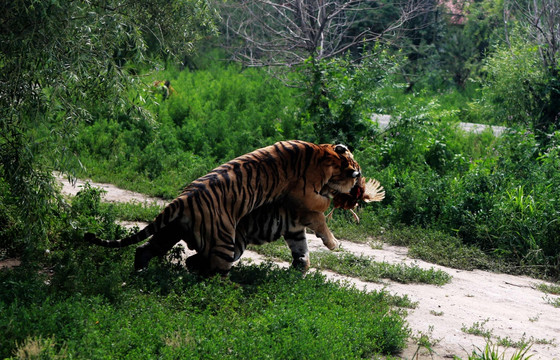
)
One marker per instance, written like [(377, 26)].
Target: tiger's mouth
[(330, 190)]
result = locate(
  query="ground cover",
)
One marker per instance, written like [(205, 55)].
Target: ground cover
[(514, 309)]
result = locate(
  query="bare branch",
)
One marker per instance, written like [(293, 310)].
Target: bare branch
[(287, 32), (543, 17)]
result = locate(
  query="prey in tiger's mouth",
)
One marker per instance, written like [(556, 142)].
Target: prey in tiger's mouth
[(367, 191), (331, 190), (344, 186)]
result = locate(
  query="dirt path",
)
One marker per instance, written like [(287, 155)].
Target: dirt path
[(509, 307)]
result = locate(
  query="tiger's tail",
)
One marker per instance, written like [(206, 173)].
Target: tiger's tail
[(170, 213)]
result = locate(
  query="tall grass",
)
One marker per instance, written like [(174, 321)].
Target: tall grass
[(212, 116)]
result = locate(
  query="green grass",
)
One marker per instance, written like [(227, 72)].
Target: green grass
[(492, 352), (549, 289), (553, 301), (439, 248), (84, 302), (362, 267), (259, 312), (479, 329), (367, 269), (424, 341), (134, 211)]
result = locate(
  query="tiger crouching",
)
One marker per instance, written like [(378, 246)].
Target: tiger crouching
[(208, 212)]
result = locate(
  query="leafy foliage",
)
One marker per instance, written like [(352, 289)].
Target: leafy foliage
[(339, 95), (197, 128), (495, 194), (167, 312), (516, 96), (64, 63)]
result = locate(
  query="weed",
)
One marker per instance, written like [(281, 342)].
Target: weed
[(436, 313), (424, 341), (492, 352), (478, 329), (134, 211), (554, 301), (523, 342), (362, 267), (375, 243), (438, 248), (39, 348), (179, 340), (508, 342), (549, 288)]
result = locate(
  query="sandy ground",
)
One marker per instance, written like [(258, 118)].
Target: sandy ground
[(508, 306)]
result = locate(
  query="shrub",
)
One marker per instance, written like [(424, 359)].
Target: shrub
[(515, 97)]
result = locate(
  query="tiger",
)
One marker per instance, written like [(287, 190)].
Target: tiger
[(266, 224), (299, 173)]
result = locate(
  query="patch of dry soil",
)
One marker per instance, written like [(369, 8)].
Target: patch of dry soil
[(508, 306)]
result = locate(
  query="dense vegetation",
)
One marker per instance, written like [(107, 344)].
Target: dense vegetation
[(78, 95), (498, 194)]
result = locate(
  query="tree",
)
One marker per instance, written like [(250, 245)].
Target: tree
[(543, 20), (288, 33), (308, 35), (64, 62)]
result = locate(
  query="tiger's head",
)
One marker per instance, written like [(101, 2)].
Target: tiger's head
[(345, 171)]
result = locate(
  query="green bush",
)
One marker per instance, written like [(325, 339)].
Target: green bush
[(215, 108), (338, 95), (212, 116), (495, 194), (515, 97)]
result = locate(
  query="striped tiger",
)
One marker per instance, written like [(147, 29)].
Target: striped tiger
[(301, 174), (266, 224)]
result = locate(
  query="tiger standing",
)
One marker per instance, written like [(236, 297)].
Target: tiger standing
[(302, 174), (266, 224)]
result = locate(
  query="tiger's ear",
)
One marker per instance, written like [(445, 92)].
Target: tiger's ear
[(340, 149)]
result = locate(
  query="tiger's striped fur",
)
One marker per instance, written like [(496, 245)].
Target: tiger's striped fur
[(266, 224), (301, 174)]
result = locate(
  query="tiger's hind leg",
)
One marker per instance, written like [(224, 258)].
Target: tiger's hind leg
[(219, 263), (297, 242), (158, 245), (221, 256), (197, 264)]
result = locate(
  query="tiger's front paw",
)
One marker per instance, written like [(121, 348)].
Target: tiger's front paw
[(332, 244)]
